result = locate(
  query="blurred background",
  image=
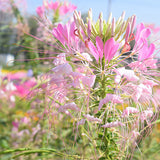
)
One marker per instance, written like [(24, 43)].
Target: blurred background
[(147, 11)]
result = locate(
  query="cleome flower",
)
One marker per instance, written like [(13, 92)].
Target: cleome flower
[(92, 75)]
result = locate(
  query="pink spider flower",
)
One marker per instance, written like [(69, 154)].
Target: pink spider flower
[(80, 79), (153, 28), (142, 90), (23, 89), (151, 63), (146, 114), (134, 135), (146, 52), (142, 33), (92, 118), (148, 82), (62, 69), (128, 74), (66, 8), (110, 97), (60, 59), (113, 124), (66, 35), (40, 10), (81, 122), (89, 80), (54, 5), (144, 65), (129, 110), (108, 50), (71, 106)]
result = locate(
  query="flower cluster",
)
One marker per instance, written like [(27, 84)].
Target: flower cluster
[(8, 5), (15, 87), (61, 8), (14, 84), (104, 77)]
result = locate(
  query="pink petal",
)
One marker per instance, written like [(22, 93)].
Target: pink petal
[(89, 28), (146, 114), (40, 10), (58, 35), (110, 49), (89, 81), (113, 51), (93, 50), (140, 27), (54, 5), (145, 33), (107, 48), (146, 52), (127, 32), (62, 69), (99, 44), (150, 50), (66, 33)]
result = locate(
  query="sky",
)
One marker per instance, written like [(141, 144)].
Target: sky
[(147, 11)]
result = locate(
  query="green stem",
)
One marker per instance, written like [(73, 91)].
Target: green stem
[(103, 95), (14, 150), (31, 151)]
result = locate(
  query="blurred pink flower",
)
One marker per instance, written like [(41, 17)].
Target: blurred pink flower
[(146, 114), (153, 28), (71, 106), (113, 124), (145, 65), (142, 91), (141, 42), (110, 97), (146, 52), (66, 8), (80, 79), (23, 89), (142, 33), (129, 110), (134, 135), (60, 59), (17, 75), (128, 74), (54, 5), (25, 120), (92, 118), (63, 69), (40, 10)]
